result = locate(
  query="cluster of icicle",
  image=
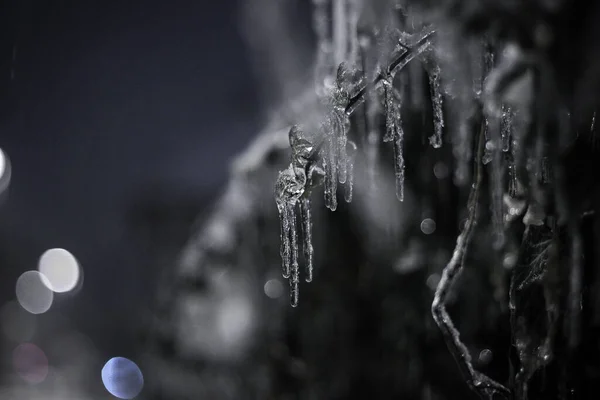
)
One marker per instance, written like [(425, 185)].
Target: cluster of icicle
[(326, 155)]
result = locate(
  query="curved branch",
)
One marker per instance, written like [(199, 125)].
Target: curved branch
[(477, 381)]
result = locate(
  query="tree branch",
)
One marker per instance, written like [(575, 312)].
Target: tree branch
[(480, 383)]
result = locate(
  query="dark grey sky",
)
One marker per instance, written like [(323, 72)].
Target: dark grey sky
[(103, 99)]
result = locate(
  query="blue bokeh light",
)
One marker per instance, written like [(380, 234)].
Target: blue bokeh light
[(122, 378)]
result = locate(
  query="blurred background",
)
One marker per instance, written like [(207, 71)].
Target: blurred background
[(119, 120)]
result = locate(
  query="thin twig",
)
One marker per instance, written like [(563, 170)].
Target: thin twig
[(480, 383)]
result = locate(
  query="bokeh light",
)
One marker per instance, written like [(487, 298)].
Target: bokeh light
[(428, 226), (234, 320), (2, 163), (33, 292), (17, 324), (485, 356), (433, 280), (61, 268), (273, 288), (122, 378), (440, 170), (5, 171), (30, 363)]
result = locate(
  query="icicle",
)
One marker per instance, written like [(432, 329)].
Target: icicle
[(388, 94), (399, 165), (436, 98), (330, 164), (341, 132), (285, 241), (512, 177), (307, 246), (349, 82), (394, 133), (294, 270), (289, 189), (507, 128), (350, 182), (489, 146)]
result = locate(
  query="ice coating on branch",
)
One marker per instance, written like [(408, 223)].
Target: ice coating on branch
[(394, 133), (436, 99), (327, 145), (349, 81)]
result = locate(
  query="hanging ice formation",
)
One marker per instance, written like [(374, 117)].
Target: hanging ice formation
[(327, 155), (394, 133), (329, 146), (436, 100)]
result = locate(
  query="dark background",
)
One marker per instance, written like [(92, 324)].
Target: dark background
[(113, 113)]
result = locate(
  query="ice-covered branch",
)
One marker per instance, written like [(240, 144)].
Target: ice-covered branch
[(330, 147)]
